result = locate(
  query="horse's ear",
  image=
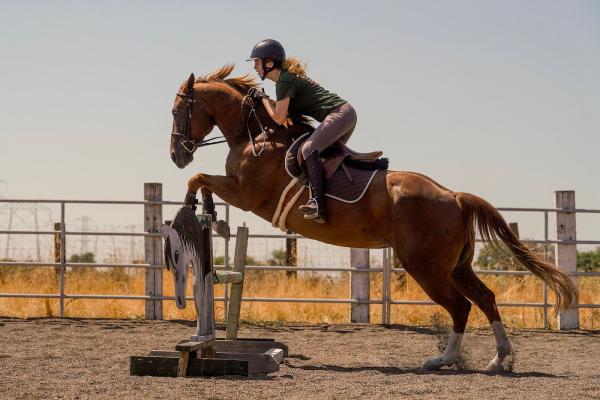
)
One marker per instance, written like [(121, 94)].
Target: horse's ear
[(165, 229), (191, 81)]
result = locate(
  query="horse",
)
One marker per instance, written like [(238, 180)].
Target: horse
[(431, 228)]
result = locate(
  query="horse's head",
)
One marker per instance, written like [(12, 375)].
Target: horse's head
[(192, 122), (176, 259)]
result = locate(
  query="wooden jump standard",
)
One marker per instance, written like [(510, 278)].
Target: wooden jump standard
[(204, 354)]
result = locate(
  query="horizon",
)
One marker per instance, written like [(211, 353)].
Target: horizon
[(496, 99)]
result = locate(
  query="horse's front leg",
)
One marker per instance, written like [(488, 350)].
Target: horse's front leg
[(226, 187)]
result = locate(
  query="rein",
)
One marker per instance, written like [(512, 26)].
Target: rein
[(251, 113), (190, 144)]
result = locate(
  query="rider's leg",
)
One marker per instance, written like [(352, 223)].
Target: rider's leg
[(338, 125), (315, 208)]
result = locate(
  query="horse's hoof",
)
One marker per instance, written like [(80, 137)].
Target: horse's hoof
[(222, 229), (494, 366), (431, 365)]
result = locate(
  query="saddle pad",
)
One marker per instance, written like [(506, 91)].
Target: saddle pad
[(338, 186)]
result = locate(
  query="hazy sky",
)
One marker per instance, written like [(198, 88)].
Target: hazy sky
[(501, 99)]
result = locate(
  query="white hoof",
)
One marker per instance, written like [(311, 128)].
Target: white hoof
[(497, 364), (433, 364)]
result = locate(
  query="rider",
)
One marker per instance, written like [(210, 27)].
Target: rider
[(297, 94)]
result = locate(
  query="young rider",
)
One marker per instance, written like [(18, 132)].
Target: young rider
[(297, 94)]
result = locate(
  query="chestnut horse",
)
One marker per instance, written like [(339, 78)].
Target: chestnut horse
[(431, 228)]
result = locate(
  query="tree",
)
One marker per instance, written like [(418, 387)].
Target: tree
[(88, 257), (498, 256), (588, 260)]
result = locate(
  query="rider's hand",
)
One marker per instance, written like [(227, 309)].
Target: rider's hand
[(191, 200), (257, 94), (288, 122)]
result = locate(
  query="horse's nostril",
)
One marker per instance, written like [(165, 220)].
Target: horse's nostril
[(173, 156)]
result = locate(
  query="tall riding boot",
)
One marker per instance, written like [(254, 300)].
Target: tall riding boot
[(315, 207)]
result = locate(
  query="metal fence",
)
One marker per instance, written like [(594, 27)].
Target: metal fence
[(359, 267)]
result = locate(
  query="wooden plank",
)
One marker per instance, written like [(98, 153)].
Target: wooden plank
[(566, 254), (164, 353), (193, 346), (276, 354), (227, 277), (360, 285), (249, 346), (258, 363), (203, 284), (153, 366), (153, 253), (217, 367), (184, 357), (239, 265), (169, 366)]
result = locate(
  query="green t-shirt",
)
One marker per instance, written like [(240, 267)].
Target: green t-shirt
[(307, 96)]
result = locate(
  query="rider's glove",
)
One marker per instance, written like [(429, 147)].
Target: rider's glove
[(257, 94), (191, 200)]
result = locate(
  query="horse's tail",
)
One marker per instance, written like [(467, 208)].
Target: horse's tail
[(492, 227)]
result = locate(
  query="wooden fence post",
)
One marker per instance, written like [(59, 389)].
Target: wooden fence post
[(235, 302), (153, 249), (57, 246), (291, 255), (360, 285), (566, 254)]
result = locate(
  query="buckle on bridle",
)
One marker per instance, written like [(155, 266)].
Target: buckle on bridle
[(189, 146)]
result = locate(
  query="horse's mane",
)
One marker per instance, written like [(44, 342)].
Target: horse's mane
[(242, 84)]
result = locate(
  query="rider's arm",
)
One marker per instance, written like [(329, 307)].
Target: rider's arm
[(278, 111)]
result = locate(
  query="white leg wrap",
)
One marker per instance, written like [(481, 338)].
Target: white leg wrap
[(449, 356), (503, 348)]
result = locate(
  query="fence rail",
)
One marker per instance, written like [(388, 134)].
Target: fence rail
[(360, 270)]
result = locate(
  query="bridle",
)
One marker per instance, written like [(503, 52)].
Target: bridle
[(190, 144), (252, 113)]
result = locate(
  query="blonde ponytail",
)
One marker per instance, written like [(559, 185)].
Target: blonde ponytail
[(295, 66)]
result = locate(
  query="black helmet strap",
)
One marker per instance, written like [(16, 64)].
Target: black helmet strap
[(266, 70)]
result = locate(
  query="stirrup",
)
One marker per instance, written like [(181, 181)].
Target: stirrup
[(311, 211)]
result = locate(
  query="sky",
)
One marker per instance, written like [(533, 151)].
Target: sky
[(496, 98)]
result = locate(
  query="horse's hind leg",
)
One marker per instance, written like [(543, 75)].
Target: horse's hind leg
[(436, 282), (475, 290)]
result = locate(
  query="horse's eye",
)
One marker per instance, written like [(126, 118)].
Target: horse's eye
[(174, 112), (176, 256)]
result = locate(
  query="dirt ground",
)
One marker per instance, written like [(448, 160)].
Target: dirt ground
[(89, 359)]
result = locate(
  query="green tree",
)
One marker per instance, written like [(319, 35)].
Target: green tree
[(278, 257), (88, 257), (588, 260), (219, 260), (498, 256)]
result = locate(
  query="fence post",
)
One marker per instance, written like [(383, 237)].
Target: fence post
[(153, 249), (291, 255), (566, 254), (57, 247), (235, 303), (360, 285), (386, 286)]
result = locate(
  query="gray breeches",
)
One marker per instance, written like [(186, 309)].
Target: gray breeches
[(338, 125)]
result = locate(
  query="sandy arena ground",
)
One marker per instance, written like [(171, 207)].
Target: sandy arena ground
[(89, 359)]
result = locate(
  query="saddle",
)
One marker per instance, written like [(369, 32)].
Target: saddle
[(348, 173)]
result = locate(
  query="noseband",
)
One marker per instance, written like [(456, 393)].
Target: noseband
[(189, 143)]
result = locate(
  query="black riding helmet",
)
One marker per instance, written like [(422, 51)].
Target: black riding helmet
[(268, 49)]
